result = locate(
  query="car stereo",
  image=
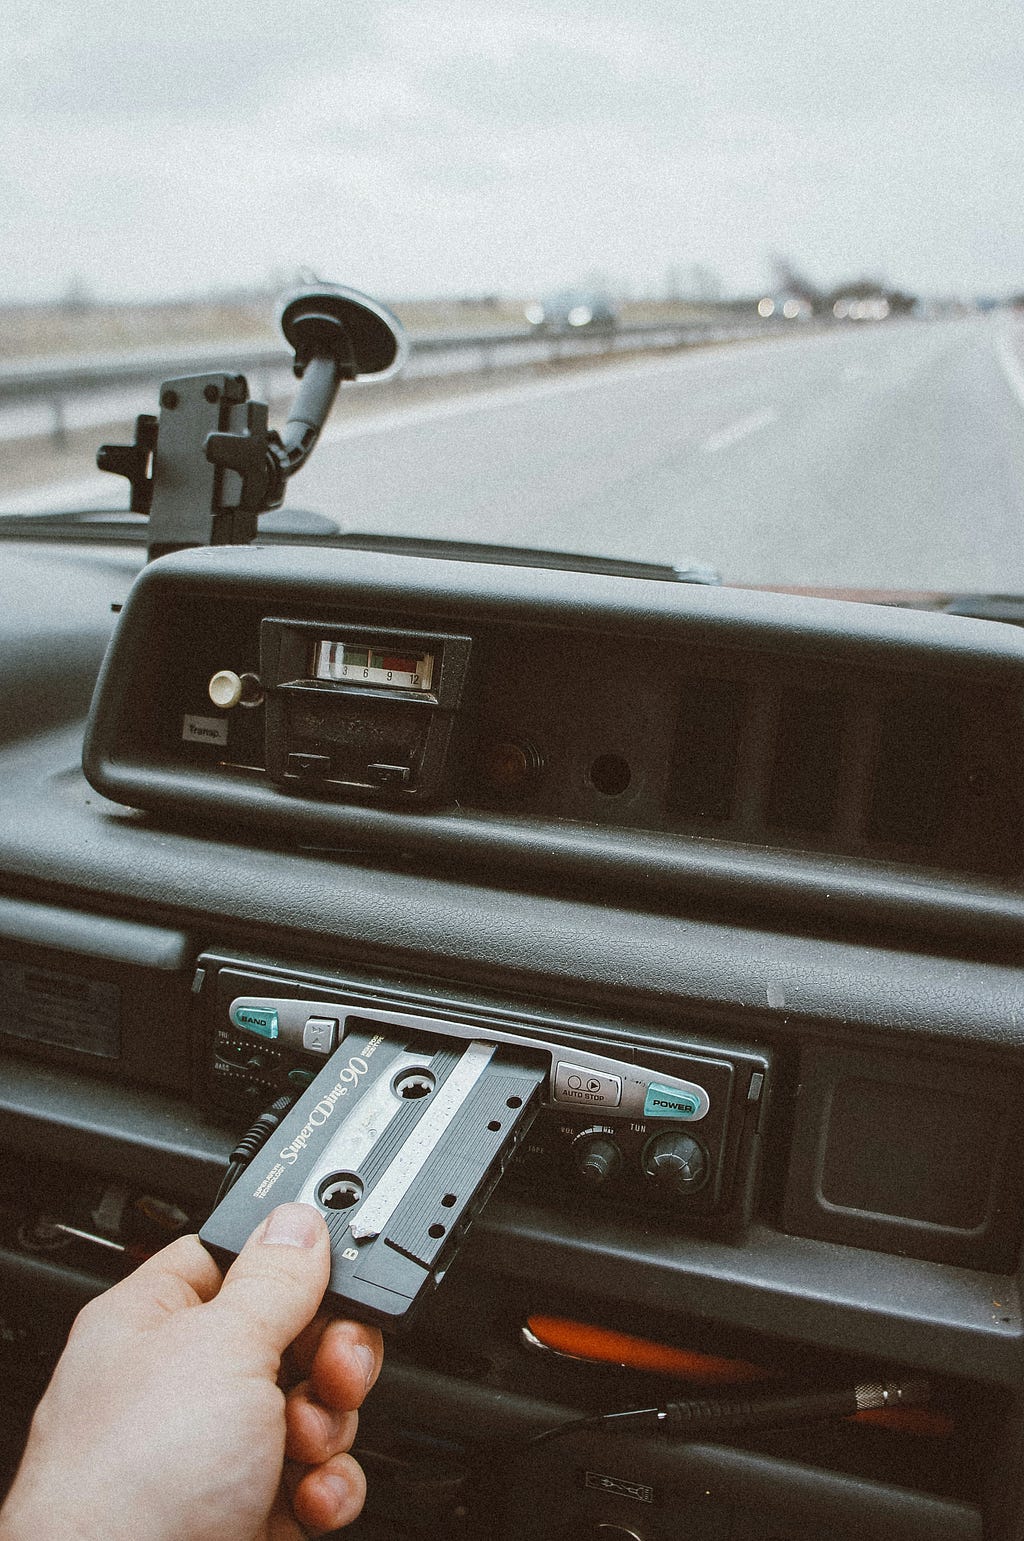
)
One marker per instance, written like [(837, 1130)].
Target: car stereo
[(623, 1124)]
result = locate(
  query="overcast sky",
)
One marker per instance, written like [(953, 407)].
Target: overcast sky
[(508, 145)]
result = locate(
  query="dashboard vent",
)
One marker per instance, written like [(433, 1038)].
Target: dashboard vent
[(804, 785), (916, 777), (711, 723), (867, 768)]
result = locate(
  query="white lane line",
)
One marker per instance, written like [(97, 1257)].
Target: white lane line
[(511, 395), (60, 496), (1012, 368), (736, 431), (95, 491), (99, 491)]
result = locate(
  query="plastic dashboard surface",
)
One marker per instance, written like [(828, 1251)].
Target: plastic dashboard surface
[(874, 973)]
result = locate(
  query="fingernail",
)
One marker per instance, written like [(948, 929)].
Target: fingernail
[(339, 1488), (292, 1225), (365, 1360), (330, 1421)]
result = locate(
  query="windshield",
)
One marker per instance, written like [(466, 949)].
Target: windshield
[(725, 285)]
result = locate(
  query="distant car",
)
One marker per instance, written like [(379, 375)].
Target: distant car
[(851, 307), (573, 310), (791, 307)]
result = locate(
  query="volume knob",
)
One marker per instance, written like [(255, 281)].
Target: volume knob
[(597, 1158)]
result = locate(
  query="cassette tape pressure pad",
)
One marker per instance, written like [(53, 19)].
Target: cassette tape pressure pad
[(399, 1140)]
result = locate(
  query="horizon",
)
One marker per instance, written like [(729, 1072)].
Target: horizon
[(409, 149)]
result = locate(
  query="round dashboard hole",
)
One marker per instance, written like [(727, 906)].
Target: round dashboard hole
[(610, 774)]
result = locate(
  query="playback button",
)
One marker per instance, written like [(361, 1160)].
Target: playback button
[(320, 1035), (576, 1086)]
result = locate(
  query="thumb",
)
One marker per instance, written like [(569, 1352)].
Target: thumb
[(274, 1287)]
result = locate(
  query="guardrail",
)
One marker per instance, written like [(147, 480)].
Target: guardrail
[(51, 384)]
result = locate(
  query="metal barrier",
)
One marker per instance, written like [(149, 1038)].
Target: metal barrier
[(50, 385)]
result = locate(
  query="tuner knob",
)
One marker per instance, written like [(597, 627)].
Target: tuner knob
[(676, 1162), (597, 1158)]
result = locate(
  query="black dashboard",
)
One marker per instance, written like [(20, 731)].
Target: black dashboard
[(769, 840)]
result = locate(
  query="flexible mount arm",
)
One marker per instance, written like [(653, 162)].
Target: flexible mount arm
[(210, 464)]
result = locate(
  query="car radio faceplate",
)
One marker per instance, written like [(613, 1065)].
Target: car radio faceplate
[(623, 1124)]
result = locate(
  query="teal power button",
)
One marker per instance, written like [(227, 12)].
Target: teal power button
[(261, 1020), (666, 1102)]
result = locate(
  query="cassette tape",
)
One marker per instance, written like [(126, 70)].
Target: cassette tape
[(398, 1141)]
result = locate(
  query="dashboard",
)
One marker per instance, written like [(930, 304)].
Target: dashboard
[(766, 845)]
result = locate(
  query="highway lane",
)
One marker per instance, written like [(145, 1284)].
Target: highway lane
[(880, 456), (885, 455)]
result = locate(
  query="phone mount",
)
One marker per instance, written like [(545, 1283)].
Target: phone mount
[(209, 465)]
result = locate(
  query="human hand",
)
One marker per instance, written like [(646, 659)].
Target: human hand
[(166, 1418)]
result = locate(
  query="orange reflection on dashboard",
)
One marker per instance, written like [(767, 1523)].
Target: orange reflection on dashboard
[(581, 1340)]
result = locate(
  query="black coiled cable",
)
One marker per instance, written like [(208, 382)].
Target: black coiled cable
[(252, 1141), (702, 1418)]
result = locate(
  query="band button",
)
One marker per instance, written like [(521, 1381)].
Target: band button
[(261, 1020)]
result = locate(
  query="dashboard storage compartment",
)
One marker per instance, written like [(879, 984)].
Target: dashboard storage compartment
[(909, 1155), (96, 991)]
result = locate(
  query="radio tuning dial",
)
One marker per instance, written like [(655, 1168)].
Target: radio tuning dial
[(596, 1156), (676, 1162)]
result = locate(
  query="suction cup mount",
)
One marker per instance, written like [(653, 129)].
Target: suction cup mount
[(210, 464), (365, 335)]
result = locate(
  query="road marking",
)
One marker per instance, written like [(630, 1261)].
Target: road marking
[(101, 493), (92, 492), (1012, 368), (512, 395), (740, 430)]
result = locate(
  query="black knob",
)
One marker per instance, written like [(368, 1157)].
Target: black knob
[(676, 1162), (135, 461), (598, 1158)]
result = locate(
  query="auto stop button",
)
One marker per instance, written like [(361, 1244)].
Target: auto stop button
[(576, 1086)]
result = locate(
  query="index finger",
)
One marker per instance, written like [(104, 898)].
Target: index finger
[(180, 1275)]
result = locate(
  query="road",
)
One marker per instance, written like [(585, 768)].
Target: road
[(879, 456)]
